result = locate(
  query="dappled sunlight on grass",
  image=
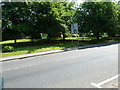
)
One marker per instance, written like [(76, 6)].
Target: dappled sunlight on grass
[(80, 38), (34, 49), (24, 46), (18, 40)]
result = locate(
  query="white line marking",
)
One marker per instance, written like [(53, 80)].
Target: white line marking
[(96, 85), (108, 80), (105, 81)]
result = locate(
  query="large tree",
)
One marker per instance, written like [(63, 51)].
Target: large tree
[(32, 18), (97, 18), (12, 20)]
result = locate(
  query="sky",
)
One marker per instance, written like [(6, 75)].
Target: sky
[(81, 1), (78, 1)]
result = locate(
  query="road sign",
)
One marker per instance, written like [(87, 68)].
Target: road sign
[(74, 28)]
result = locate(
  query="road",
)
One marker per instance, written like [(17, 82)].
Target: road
[(71, 69)]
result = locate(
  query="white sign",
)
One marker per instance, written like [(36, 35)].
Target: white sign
[(74, 28)]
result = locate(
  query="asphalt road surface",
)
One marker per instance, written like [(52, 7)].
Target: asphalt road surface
[(71, 69)]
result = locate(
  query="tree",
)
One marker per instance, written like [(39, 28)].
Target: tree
[(97, 18), (53, 17), (12, 16), (32, 18)]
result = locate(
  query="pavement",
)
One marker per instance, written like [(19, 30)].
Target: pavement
[(77, 68), (53, 51)]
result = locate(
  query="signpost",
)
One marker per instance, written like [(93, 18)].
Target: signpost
[(74, 30)]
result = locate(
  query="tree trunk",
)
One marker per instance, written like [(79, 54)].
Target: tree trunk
[(15, 41), (97, 36), (49, 36), (32, 40), (63, 33)]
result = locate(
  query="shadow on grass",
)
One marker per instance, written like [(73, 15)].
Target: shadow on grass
[(92, 45), (25, 44), (46, 45)]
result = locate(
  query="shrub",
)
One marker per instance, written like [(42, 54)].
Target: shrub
[(8, 49)]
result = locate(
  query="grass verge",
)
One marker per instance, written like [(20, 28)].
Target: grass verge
[(24, 46), (34, 49)]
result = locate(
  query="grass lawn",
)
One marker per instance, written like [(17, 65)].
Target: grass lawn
[(18, 41), (24, 46), (33, 49), (79, 38)]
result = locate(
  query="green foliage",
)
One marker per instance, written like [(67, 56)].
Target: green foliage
[(8, 49), (12, 13), (32, 18), (97, 18), (29, 19)]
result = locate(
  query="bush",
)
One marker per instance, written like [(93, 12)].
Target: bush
[(8, 49)]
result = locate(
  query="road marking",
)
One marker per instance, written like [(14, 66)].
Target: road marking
[(108, 80), (96, 85), (104, 82)]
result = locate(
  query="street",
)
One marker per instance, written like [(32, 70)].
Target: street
[(70, 69)]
